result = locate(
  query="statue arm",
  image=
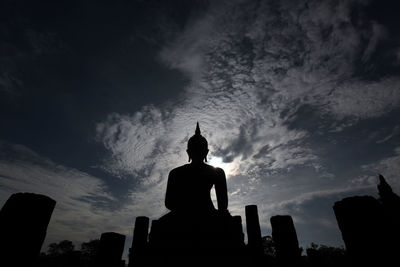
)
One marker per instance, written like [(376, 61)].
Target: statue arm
[(170, 196), (221, 190)]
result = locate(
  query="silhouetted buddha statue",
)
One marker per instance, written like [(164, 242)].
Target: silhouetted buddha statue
[(194, 229), (189, 186)]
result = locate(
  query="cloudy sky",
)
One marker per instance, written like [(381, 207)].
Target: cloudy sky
[(299, 100)]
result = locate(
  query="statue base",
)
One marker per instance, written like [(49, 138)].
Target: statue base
[(194, 239)]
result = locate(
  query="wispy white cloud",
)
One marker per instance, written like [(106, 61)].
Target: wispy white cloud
[(378, 34), (389, 167), (366, 99), (132, 139), (246, 70), (393, 133), (252, 65)]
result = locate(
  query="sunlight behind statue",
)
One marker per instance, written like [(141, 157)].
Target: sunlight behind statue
[(194, 229), (189, 186)]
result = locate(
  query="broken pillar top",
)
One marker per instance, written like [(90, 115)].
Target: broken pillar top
[(35, 208)]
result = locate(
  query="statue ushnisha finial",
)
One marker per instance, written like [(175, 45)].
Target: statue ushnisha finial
[(197, 132)]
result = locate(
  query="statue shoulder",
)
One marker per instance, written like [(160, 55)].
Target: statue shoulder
[(178, 170), (220, 172), (216, 170)]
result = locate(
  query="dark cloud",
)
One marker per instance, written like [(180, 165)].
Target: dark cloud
[(299, 102), (62, 64)]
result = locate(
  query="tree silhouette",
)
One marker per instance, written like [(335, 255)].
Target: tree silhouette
[(89, 250), (268, 246), (321, 255), (62, 248)]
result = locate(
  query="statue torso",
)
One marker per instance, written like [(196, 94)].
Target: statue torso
[(190, 186)]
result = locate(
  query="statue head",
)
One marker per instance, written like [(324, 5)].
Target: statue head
[(197, 147)]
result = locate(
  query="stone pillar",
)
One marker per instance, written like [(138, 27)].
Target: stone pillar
[(154, 232), (253, 227), (23, 224), (137, 256), (391, 209), (360, 220), (110, 250), (254, 250), (285, 240), (238, 229)]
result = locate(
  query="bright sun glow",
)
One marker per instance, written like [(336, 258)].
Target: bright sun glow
[(227, 167)]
